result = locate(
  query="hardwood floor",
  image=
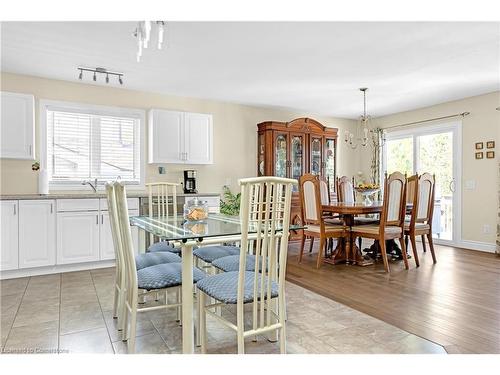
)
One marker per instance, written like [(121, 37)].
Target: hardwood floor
[(454, 303)]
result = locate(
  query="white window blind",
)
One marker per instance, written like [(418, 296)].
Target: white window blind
[(84, 145)]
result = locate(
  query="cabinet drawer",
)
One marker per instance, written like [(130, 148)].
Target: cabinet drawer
[(133, 204), (211, 201), (84, 204)]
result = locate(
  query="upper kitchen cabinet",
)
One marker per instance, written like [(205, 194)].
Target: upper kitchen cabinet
[(180, 137), (17, 126)]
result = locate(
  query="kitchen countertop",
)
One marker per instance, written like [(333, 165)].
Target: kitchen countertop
[(81, 195)]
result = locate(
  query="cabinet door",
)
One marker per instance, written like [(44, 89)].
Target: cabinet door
[(106, 246), (166, 136), (37, 233), (77, 237), (198, 138), (316, 150), (17, 126), (330, 162), (9, 257), (297, 164), (281, 155)]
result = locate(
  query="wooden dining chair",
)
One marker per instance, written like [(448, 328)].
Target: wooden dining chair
[(420, 223), (152, 279), (391, 219), (347, 194), (312, 216)]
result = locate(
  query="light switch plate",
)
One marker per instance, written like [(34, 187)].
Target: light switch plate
[(470, 184)]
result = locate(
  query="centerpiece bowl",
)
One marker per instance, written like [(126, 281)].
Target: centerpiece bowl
[(367, 190)]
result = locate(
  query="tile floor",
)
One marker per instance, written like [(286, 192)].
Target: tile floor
[(71, 312)]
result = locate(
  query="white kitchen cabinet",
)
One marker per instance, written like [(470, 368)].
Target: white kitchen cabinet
[(9, 240), (37, 233), (77, 237), (198, 138), (106, 238), (17, 124), (180, 137)]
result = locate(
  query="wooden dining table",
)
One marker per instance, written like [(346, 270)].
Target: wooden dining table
[(347, 250)]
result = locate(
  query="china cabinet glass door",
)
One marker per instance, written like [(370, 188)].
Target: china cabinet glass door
[(330, 162), (280, 156), (297, 157), (261, 151), (316, 146)]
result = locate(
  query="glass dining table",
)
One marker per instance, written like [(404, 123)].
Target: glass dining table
[(216, 229)]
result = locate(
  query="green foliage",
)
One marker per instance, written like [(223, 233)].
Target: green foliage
[(230, 205)]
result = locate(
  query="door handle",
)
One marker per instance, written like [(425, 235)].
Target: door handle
[(97, 219), (102, 219), (452, 185)]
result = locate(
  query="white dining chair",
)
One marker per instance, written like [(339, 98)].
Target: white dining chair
[(265, 220), (141, 260), (151, 279)]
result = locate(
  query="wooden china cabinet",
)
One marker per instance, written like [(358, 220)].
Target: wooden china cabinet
[(291, 149)]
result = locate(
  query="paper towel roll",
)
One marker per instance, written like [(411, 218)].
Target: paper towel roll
[(43, 181)]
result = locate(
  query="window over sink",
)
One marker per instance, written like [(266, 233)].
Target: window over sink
[(84, 142)]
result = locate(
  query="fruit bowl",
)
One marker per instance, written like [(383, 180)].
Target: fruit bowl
[(366, 190)]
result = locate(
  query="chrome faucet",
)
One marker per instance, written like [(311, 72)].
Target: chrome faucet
[(92, 184)]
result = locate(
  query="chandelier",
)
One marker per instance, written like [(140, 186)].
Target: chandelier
[(361, 136), (143, 35)]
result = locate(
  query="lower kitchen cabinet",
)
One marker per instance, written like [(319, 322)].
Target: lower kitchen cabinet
[(107, 250), (77, 237), (9, 235), (37, 233)]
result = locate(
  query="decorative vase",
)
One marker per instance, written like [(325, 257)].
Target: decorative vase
[(43, 181)]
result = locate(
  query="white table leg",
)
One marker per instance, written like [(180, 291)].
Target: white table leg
[(187, 299)]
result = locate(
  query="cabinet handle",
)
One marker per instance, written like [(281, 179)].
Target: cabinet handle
[(102, 219), (52, 208), (15, 210), (97, 219), (31, 150)]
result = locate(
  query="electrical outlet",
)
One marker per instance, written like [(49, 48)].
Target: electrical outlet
[(162, 170), (486, 229)]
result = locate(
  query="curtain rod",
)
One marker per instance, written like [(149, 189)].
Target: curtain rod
[(463, 114)]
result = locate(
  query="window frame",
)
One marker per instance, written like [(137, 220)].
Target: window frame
[(139, 114)]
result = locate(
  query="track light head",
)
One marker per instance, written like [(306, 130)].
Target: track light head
[(107, 78), (95, 77), (120, 80), (80, 77)]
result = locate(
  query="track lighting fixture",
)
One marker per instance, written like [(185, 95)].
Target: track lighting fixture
[(95, 71)]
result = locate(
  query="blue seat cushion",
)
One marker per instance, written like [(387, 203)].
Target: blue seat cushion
[(210, 253), (165, 275), (163, 246), (152, 259), (224, 287), (232, 263)]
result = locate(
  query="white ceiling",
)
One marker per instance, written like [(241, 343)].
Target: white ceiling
[(314, 67)]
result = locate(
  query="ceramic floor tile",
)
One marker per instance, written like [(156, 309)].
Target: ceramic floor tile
[(144, 326), (36, 312), (81, 317), (90, 341), (13, 286), (34, 338), (151, 343)]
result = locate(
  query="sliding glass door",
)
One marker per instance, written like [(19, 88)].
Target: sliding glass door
[(434, 149)]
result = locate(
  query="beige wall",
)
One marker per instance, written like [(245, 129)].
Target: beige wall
[(479, 206), (235, 131)]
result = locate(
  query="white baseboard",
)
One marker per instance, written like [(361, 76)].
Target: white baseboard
[(12, 274), (479, 246)]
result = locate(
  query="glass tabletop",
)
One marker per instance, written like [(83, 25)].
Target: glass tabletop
[(171, 228)]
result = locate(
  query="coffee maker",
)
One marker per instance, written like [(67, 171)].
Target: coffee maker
[(190, 182)]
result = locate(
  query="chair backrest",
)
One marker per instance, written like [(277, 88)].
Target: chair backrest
[(426, 185), (324, 190), (162, 199), (115, 230), (129, 267), (393, 212), (310, 199), (412, 197), (345, 190), (264, 210)]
